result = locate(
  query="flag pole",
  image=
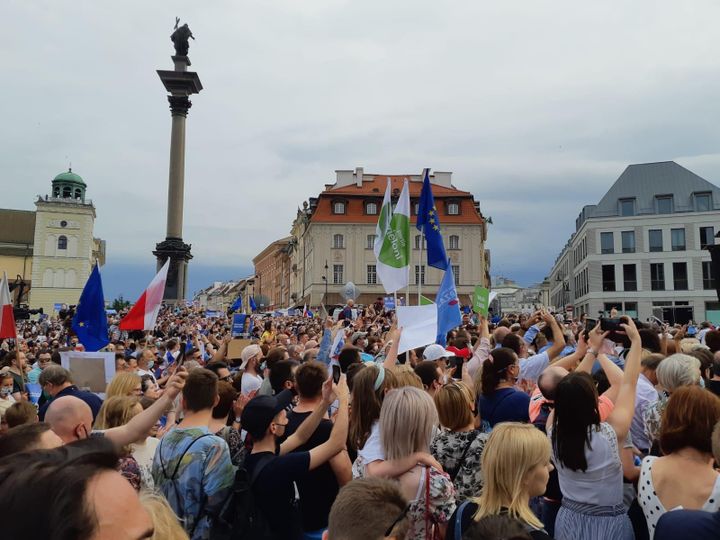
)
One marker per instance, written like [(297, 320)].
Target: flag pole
[(420, 272)]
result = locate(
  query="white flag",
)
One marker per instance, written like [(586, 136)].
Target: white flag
[(393, 253)]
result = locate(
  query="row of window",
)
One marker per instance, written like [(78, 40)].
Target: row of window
[(665, 204), (655, 240), (372, 208), (580, 251), (657, 277), (339, 241), (339, 274), (582, 283)]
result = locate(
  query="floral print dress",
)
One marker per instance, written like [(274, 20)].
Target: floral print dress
[(433, 505), (459, 452)]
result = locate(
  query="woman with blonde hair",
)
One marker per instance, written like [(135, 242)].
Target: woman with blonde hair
[(166, 525), (459, 445), (136, 459), (516, 467), (407, 421), (405, 376), (125, 383)]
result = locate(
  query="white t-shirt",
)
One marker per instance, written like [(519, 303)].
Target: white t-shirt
[(144, 454), (250, 383)]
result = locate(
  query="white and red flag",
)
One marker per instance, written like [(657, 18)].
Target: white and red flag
[(7, 318), (144, 313)]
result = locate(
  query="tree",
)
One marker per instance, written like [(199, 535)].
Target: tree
[(119, 303)]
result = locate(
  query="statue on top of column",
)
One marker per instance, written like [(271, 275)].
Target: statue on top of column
[(180, 38)]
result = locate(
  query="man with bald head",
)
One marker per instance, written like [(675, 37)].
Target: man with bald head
[(71, 418)]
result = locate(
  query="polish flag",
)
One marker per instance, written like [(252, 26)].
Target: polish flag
[(7, 319), (144, 313)]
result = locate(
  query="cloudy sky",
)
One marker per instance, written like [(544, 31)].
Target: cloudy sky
[(536, 106)]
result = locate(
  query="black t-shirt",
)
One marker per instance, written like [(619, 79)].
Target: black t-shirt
[(467, 518), (319, 488), (275, 493), (713, 386)]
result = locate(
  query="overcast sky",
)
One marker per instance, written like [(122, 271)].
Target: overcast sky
[(535, 106)]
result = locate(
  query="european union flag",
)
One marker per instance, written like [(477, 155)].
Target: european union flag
[(448, 306), (429, 224), (237, 305), (90, 320), (253, 307)]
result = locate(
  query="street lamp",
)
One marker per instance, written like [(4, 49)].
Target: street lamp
[(325, 279)]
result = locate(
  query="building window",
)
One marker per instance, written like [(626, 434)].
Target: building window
[(655, 240), (629, 277), (628, 241), (657, 276), (62, 242), (418, 238), (371, 209), (456, 273), (703, 202), (707, 237), (664, 204), (677, 239), (338, 241), (627, 207), (453, 209), (370, 241), (371, 274), (608, 277), (708, 281), (338, 207), (454, 241), (67, 192), (631, 309), (416, 208), (680, 277), (338, 274), (607, 242), (420, 274)]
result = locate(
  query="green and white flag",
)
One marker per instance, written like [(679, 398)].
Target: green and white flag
[(384, 221), (481, 300), (392, 245)]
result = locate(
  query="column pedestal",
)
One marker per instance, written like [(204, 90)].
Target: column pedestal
[(179, 254)]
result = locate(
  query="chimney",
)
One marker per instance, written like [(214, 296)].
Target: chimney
[(441, 178), (359, 176), (344, 178)]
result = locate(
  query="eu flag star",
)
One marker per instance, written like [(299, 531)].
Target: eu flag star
[(430, 213), (81, 323), (436, 228), (431, 220)]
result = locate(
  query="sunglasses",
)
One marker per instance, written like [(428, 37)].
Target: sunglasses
[(398, 519)]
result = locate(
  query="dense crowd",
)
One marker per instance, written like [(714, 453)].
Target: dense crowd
[(534, 426)]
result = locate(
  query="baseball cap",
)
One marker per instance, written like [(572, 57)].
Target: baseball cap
[(260, 411), (249, 352), (435, 352), (357, 335)]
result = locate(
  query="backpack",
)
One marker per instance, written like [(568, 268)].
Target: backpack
[(240, 518)]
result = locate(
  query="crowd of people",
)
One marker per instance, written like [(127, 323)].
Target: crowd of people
[(533, 426)]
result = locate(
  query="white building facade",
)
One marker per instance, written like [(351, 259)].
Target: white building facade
[(641, 249)]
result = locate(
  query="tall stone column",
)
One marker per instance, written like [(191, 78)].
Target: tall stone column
[(180, 83)]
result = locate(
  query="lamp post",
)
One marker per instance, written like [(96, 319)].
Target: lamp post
[(259, 278), (325, 279)]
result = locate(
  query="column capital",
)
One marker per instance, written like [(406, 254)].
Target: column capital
[(179, 105)]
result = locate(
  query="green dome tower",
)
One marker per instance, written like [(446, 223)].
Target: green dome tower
[(68, 185)]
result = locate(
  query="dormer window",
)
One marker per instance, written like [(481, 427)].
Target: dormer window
[(703, 202), (664, 204), (371, 209), (453, 208), (627, 207), (338, 207)]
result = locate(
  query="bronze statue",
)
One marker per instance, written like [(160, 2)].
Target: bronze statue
[(180, 38)]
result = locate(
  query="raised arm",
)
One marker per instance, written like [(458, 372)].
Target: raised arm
[(614, 375), (391, 357), (140, 425), (221, 352), (482, 349), (572, 361), (558, 337), (326, 342), (338, 435), (622, 414)]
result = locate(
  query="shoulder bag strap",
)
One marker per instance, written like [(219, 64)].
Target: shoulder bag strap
[(259, 468), (461, 461), (458, 520)]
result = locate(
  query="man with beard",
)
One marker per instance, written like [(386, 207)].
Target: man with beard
[(273, 468)]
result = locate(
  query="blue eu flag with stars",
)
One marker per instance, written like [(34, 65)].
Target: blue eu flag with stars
[(253, 307), (429, 224), (448, 306), (90, 320)]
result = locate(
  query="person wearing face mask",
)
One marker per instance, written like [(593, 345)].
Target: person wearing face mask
[(499, 400), (6, 388), (275, 467), (145, 364)]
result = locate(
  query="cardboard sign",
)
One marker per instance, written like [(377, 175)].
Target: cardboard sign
[(235, 347), (91, 371), (239, 323)]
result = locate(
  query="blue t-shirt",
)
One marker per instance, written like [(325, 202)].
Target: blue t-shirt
[(505, 405), (695, 524)]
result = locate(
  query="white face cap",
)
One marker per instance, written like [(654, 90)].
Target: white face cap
[(435, 352)]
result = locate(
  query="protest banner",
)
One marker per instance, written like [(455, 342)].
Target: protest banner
[(91, 371)]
